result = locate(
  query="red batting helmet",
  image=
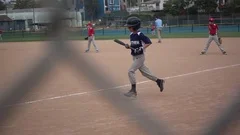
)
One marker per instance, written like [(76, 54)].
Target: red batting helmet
[(211, 20)]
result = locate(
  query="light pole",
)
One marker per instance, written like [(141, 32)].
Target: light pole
[(187, 16), (34, 15), (83, 10), (6, 10), (139, 6), (198, 16), (7, 4), (76, 10)]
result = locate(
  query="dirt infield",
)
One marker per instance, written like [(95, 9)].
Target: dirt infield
[(198, 88)]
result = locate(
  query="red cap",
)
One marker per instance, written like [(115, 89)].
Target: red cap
[(89, 24), (211, 20)]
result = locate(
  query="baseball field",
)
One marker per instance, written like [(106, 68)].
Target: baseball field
[(75, 93)]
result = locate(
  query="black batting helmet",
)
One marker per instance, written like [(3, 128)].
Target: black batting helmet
[(133, 22)]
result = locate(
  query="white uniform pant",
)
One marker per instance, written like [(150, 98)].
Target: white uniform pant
[(91, 39), (138, 63), (210, 39)]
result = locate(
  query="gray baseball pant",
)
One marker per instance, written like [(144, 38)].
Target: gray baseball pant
[(138, 63), (91, 39), (210, 39), (159, 30)]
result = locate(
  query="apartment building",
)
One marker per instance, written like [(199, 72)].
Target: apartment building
[(148, 5)]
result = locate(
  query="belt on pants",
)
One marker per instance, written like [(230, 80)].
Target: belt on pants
[(138, 56)]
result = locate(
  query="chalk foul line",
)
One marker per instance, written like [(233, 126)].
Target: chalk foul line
[(122, 86)]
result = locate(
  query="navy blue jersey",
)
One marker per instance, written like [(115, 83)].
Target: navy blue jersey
[(137, 41)]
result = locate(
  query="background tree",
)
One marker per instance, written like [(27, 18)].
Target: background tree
[(231, 7), (177, 7), (236, 4), (169, 8), (132, 3), (208, 6), (2, 6), (91, 7), (22, 4), (193, 10)]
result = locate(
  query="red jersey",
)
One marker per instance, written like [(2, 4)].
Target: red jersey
[(213, 28), (91, 31), (153, 27)]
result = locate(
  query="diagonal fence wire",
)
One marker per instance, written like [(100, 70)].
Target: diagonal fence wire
[(31, 78), (224, 120), (17, 91)]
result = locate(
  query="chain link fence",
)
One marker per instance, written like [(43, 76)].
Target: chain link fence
[(199, 19), (80, 33)]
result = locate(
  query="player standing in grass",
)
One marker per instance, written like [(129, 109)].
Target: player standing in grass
[(213, 31), (139, 43), (91, 38)]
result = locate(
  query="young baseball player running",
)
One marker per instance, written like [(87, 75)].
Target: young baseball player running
[(139, 43), (213, 31), (91, 38)]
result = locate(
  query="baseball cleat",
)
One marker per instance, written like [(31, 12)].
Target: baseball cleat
[(202, 53), (86, 51), (97, 51), (131, 93), (224, 53), (160, 84)]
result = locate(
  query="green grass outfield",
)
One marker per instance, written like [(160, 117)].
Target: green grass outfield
[(42, 37)]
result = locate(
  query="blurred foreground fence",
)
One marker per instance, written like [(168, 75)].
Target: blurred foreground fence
[(59, 49)]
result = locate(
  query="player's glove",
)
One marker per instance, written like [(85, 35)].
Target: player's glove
[(220, 40), (86, 38)]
